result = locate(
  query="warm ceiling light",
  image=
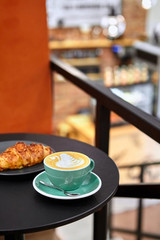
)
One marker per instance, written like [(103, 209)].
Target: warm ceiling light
[(113, 31), (147, 4), (114, 26)]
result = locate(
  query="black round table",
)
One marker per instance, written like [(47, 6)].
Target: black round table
[(23, 210)]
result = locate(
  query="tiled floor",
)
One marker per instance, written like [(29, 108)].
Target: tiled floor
[(80, 230), (124, 215)]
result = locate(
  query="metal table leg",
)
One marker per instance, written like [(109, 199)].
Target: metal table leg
[(100, 224), (14, 237)]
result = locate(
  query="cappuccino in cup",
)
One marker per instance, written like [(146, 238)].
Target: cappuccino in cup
[(67, 160), (68, 170)]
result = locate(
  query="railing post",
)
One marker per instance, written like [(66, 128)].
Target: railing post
[(102, 128), (140, 208)]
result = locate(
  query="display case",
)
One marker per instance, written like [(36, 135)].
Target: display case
[(132, 83), (86, 60), (150, 54)]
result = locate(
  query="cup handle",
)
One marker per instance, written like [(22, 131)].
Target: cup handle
[(92, 165), (88, 175)]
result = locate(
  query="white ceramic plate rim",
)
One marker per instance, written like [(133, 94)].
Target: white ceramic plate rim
[(66, 197)]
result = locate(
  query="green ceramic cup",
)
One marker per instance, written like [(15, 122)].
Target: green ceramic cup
[(67, 169)]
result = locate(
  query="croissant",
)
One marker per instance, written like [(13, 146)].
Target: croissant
[(22, 155)]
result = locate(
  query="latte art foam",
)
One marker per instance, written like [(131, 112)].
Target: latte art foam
[(67, 160)]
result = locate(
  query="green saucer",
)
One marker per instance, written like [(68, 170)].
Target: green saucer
[(89, 187)]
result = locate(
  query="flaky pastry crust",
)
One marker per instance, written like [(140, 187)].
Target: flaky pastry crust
[(22, 155)]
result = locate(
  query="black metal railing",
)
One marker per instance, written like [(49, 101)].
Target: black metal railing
[(107, 102)]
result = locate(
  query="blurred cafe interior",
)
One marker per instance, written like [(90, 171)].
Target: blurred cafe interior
[(116, 43), (117, 46)]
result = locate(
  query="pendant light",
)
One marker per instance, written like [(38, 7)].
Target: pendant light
[(113, 25), (147, 4)]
